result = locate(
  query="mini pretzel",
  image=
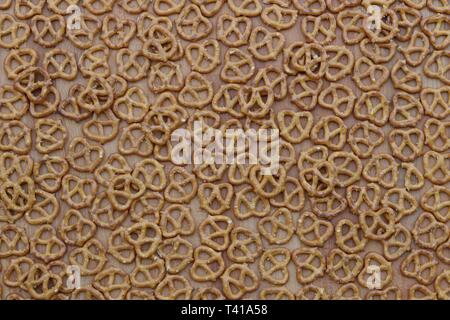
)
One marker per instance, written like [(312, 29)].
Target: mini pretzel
[(238, 66), (305, 98), (78, 193), (34, 82), (406, 144), (60, 63), (436, 135), (47, 106), (13, 104), (437, 106), (17, 272), (264, 45), (340, 62), (401, 201), (168, 7), (311, 292), (86, 293), (208, 264), (267, 185), (215, 232), (387, 28), (176, 220), (348, 167), (385, 270), (97, 96), (48, 30), (102, 127), (45, 244), (319, 180), (49, 171), (437, 67), (25, 9), (310, 58), (378, 225), (177, 254), (248, 8), (83, 37), (349, 236), (203, 57), (441, 285), (75, 229), (91, 257), (237, 280), (12, 33), (135, 140), (405, 79), (94, 61), (338, 98), (215, 198), (343, 267), (428, 232), (41, 283), (320, 29), (273, 78), (233, 31), (443, 251), (398, 243), (382, 169), (390, 293), (18, 196), (312, 156), (120, 248), (18, 60), (407, 110), (420, 265), (378, 52), (83, 156), (245, 245), (310, 264), (113, 283), (255, 101), (182, 186), (165, 76), (148, 272), (69, 107), (437, 201), (191, 25), (277, 228), (173, 287), (364, 137), (417, 49), (436, 28), (44, 210), (365, 74), (278, 17), (328, 206), (408, 18), (160, 44), (313, 231), (351, 22), (132, 65), (372, 106), (330, 131), (209, 8), (13, 241), (292, 197), (413, 177), (276, 293), (197, 91), (273, 265), (117, 33), (310, 7), (421, 292)]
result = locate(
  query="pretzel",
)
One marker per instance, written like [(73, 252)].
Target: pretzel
[(215, 232), (13, 104), (329, 131), (276, 293), (365, 72), (5, 4), (83, 156), (273, 78), (77, 192), (407, 110), (348, 167), (173, 287), (91, 257), (406, 144), (264, 45), (238, 66), (41, 284), (436, 28), (208, 264), (328, 206), (94, 61), (378, 225), (340, 62), (44, 210), (398, 243), (177, 254), (338, 98), (160, 44), (386, 29), (97, 96), (197, 91), (413, 177), (277, 228), (117, 33), (372, 106), (45, 244), (83, 37), (176, 220), (245, 245), (378, 52), (168, 7), (17, 272), (436, 66), (230, 31), (310, 7), (104, 214), (12, 33), (115, 165), (25, 9), (123, 189), (311, 292), (18, 60), (49, 171), (436, 135), (57, 61), (267, 185), (215, 198), (438, 105), (313, 231), (34, 82), (86, 293), (255, 101), (417, 49), (237, 280), (390, 293), (113, 283), (69, 107), (191, 25), (372, 260), (47, 106), (320, 29), (50, 135), (343, 267), (351, 23), (401, 201), (74, 229), (310, 264), (273, 265), (292, 197), (405, 79), (13, 241), (305, 98), (428, 232), (135, 140), (437, 201), (182, 186), (441, 285), (310, 58), (120, 248), (421, 292), (146, 21), (132, 65), (382, 169), (134, 6), (349, 236), (48, 30), (165, 76), (203, 57), (420, 265), (278, 17), (148, 272), (364, 137), (319, 180), (408, 18), (248, 8)]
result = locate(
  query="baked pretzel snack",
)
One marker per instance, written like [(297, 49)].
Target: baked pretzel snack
[(365, 74), (417, 49), (436, 167), (398, 243), (421, 292), (176, 220), (13, 33), (265, 45), (311, 292), (441, 285), (364, 137), (174, 287), (428, 232), (215, 198), (304, 91), (372, 260), (294, 126), (237, 280), (197, 91), (233, 31), (340, 62), (343, 267), (349, 236), (177, 254), (34, 82), (292, 197), (60, 63), (42, 284), (78, 192), (273, 265), (405, 79), (119, 247), (13, 103), (48, 31), (191, 25), (313, 231), (310, 264), (48, 106), (69, 107), (414, 179), (276, 293), (75, 229), (279, 17), (274, 78), (13, 241), (351, 23), (372, 106), (18, 60), (330, 131), (238, 66), (436, 28), (378, 225), (437, 201), (208, 264), (320, 29), (45, 244), (203, 57), (378, 52), (113, 283), (435, 102), (215, 232), (208, 293), (381, 169), (248, 8), (91, 257), (117, 33), (420, 265), (390, 293), (94, 61), (436, 135)]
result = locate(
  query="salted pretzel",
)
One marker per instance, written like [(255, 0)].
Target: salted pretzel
[(437, 201), (215, 198), (311, 292), (97, 96), (13, 33), (435, 101), (116, 32), (233, 31), (441, 285), (197, 91), (102, 127), (329, 131), (273, 265), (75, 229), (398, 243), (255, 101), (292, 197), (390, 293), (45, 244), (182, 186), (310, 7), (310, 58), (248, 203), (134, 6), (17, 272), (279, 17), (69, 107), (338, 98), (304, 91), (365, 74), (13, 103), (364, 137), (94, 61), (378, 52), (25, 9), (267, 185), (104, 214), (176, 220), (83, 37), (401, 201), (49, 171), (385, 30), (274, 78), (429, 233), (60, 63), (329, 205), (50, 135), (40, 283), (203, 57), (165, 76), (237, 280), (146, 20), (160, 44), (115, 165), (421, 292), (407, 110), (168, 7), (436, 66), (417, 49), (320, 29), (436, 28), (209, 8), (349, 236), (177, 254), (13, 166), (132, 65), (436, 135), (265, 45), (123, 189), (442, 252), (18, 60), (15, 137), (120, 248), (372, 260), (148, 272), (86, 293), (277, 228), (77, 192), (313, 231), (245, 245), (113, 283), (215, 232), (208, 264), (343, 267), (340, 62), (134, 139), (191, 25), (319, 180), (408, 18), (351, 23), (372, 106), (44, 210), (348, 167), (276, 293), (83, 156), (13, 241), (238, 66), (34, 82), (248, 8), (421, 265), (132, 106), (48, 30), (173, 287), (48, 106), (406, 144), (405, 79), (414, 179), (310, 264), (91, 257), (381, 169)]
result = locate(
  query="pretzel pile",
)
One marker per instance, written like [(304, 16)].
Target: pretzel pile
[(87, 178)]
